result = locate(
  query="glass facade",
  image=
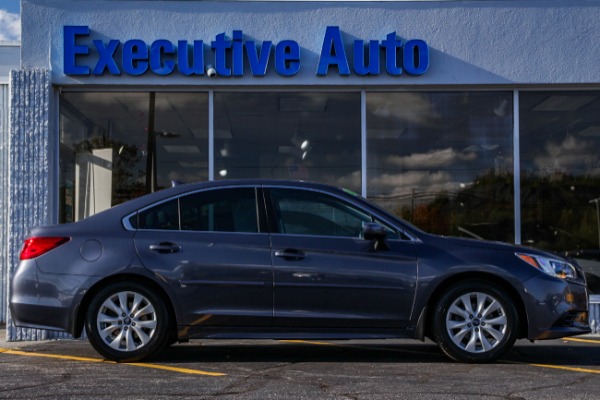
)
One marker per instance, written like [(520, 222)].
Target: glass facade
[(560, 175), (440, 159), (115, 146), (444, 160), (282, 135)]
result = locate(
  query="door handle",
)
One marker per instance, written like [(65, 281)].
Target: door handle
[(290, 254), (165, 247)]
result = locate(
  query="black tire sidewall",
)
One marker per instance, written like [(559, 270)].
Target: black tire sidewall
[(444, 340), (156, 343)]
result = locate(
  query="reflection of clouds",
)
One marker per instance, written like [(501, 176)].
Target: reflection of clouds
[(403, 183), (350, 181), (569, 153), (198, 175), (411, 107), (432, 159), (400, 184)]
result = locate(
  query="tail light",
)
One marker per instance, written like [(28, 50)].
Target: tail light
[(36, 246)]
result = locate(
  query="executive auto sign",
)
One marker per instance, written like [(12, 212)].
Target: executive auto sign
[(229, 56)]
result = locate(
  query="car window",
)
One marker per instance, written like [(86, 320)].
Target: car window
[(223, 210), (303, 212), (163, 216)]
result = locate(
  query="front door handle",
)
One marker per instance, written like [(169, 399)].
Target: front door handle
[(165, 247), (290, 254)]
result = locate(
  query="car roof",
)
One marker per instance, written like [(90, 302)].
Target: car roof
[(148, 199)]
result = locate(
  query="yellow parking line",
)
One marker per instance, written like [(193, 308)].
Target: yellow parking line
[(572, 369), (100, 360), (582, 340)]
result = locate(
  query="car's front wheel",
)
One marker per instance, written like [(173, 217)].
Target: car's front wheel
[(127, 322), (475, 321)]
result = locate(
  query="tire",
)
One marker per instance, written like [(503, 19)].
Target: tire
[(127, 322), (475, 321)]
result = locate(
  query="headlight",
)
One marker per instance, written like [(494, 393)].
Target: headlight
[(551, 266)]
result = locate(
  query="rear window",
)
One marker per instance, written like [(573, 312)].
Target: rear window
[(223, 210)]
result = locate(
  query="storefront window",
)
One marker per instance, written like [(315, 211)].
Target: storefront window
[(115, 146), (443, 160), (286, 135), (560, 175)]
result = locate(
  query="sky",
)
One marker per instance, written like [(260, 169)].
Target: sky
[(10, 20)]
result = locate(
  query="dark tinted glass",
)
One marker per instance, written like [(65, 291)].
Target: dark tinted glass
[(163, 216), (312, 136), (312, 213), (225, 210), (116, 146), (560, 169)]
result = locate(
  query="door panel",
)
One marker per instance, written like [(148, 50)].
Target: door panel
[(342, 282), (219, 278), (209, 247), (326, 275)]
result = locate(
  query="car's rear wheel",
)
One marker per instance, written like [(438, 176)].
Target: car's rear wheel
[(475, 321), (127, 322)]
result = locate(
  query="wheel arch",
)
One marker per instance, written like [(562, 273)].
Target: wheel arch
[(475, 276), (80, 313)]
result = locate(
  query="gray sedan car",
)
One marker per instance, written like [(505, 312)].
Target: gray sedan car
[(283, 260)]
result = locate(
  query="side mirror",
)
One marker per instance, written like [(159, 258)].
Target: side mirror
[(375, 232)]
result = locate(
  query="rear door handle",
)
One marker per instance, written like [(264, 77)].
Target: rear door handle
[(165, 247), (290, 254)]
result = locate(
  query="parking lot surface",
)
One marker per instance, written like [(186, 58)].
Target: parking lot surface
[(267, 369)]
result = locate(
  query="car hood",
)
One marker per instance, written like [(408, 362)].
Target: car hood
[(494, 246)]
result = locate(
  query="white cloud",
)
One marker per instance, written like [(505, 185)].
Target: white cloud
[(10, 26), (568, 155), (433, 159)]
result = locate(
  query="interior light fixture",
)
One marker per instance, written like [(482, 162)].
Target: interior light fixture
[(500, 109), (563, 103)]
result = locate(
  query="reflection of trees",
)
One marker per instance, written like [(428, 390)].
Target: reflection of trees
[(484, 208), (555, 210), (126, 168)]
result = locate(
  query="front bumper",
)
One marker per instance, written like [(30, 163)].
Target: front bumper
[(555, 308)]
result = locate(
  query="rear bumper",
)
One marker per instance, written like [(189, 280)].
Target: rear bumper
[(44, 301)]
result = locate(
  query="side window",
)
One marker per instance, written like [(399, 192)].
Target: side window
[(163, 216), (303, 212), (221, 210)]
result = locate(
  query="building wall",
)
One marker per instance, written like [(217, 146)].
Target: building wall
[(471, 42), (4, 112), (9, 60)]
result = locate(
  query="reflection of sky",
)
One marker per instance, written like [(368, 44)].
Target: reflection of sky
[(436, 142), (560, 132), (571, 155)]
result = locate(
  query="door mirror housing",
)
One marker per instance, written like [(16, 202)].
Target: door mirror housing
[(375, 232)]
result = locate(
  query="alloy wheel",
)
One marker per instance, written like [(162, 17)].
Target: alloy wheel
[(476, 322)]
